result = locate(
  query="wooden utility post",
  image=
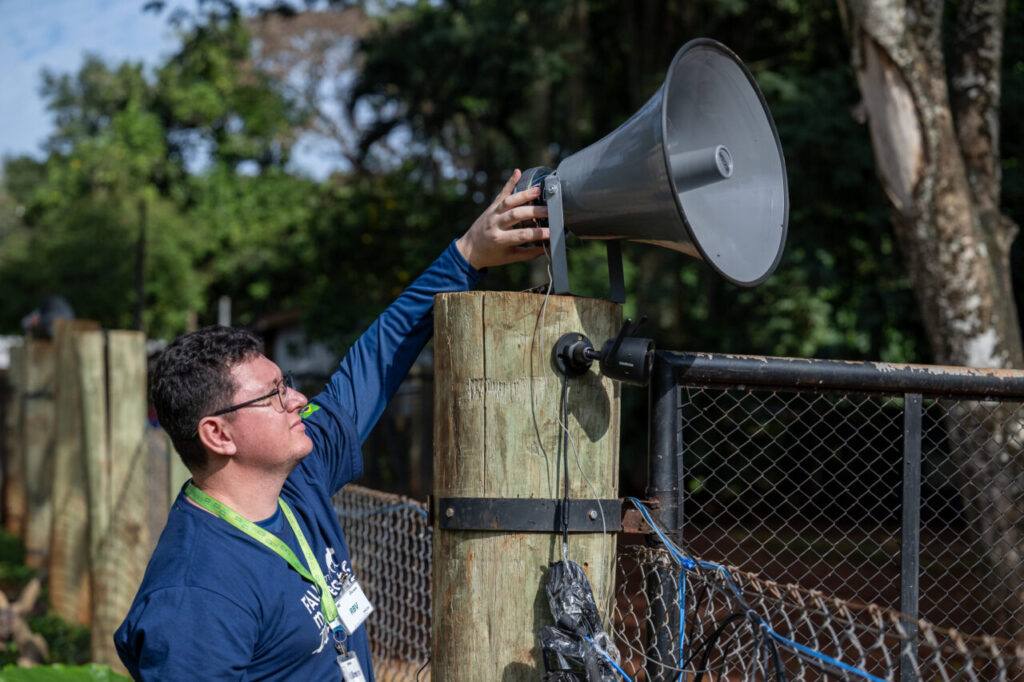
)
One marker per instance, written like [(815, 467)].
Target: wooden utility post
[(497, 398)]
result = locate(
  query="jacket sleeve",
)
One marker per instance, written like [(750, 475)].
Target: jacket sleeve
[(379, 360)]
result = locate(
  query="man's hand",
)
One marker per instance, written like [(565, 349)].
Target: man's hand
[(494, 239)]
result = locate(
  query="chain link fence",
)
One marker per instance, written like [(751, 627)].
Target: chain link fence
[(390, 545), (725, 614), (806, 488), (737, 626), (806, 484)]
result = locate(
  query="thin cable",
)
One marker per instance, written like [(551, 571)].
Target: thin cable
[(690, 564), (564, 425), (563, 451), (605, 559)]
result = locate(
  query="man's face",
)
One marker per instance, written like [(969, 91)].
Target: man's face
[(265, 436)]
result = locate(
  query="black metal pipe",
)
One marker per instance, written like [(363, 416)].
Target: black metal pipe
[(841, 375), (664, 447), (910, 534), (664, 469)]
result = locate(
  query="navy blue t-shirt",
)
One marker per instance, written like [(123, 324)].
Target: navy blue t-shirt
[(217, 605)]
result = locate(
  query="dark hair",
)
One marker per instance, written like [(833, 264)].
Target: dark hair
[(192, 378)]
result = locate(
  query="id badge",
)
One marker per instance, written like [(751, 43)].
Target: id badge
[(353, 606), (351, 671)]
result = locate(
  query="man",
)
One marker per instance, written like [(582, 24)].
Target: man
[(251, 578)]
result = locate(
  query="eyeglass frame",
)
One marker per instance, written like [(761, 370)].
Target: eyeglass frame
[(287, 381)]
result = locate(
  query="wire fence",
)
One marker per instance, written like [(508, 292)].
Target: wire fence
[(807, 486), (734, 624), (390, 545), (739, 626)]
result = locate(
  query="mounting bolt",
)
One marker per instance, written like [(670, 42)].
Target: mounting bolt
[(592, 515), (449, 512)]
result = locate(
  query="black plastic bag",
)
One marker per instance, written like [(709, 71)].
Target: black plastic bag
[(576, 649)]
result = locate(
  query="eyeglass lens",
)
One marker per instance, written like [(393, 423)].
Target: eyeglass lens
[(287, 381)]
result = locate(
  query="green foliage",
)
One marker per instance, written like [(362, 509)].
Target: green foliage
[(68, 643), (198, 153), (840, 291), (118, 171), (60, 673), (373, 235), (13, 573)]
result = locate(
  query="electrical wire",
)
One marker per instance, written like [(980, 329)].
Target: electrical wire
[(776, 639), (563, 452), (563, 424)]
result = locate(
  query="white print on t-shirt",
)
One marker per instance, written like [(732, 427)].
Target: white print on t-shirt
[(337, 575)]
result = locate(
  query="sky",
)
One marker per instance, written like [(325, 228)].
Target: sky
[(55, 35)]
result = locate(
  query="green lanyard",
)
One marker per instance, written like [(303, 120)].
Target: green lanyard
[(264, 537)]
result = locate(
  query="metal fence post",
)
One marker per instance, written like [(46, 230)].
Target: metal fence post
[(910, 533), (664, 472)]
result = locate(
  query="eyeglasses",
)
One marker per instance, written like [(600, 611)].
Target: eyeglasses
[(280, 390)]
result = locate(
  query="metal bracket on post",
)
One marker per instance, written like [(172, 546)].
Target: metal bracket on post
[(526, 515), (556, 226)]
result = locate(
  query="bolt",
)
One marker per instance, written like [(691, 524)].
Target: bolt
[(449, 512), (592, 515)]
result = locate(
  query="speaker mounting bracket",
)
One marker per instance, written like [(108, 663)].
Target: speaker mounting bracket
[(556, 225), (552, 196)]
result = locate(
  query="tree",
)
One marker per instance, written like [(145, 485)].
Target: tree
[(932, 101), (193, 161)]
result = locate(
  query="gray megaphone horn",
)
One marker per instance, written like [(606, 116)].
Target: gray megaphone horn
[(698, 169)]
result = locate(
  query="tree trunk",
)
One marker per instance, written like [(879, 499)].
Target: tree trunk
[(942, 179)]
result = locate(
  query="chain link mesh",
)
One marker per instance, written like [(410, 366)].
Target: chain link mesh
[(390, 545), (806, 488), (736, 623), (802, 487)]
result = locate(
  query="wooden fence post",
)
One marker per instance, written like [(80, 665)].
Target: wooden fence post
[(497, 398), (113, 375), (37, 443), (15, 503), (69, 584)]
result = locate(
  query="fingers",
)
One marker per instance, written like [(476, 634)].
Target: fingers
[(525, 235), (521, 213), (516, 200), (510, 185)]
